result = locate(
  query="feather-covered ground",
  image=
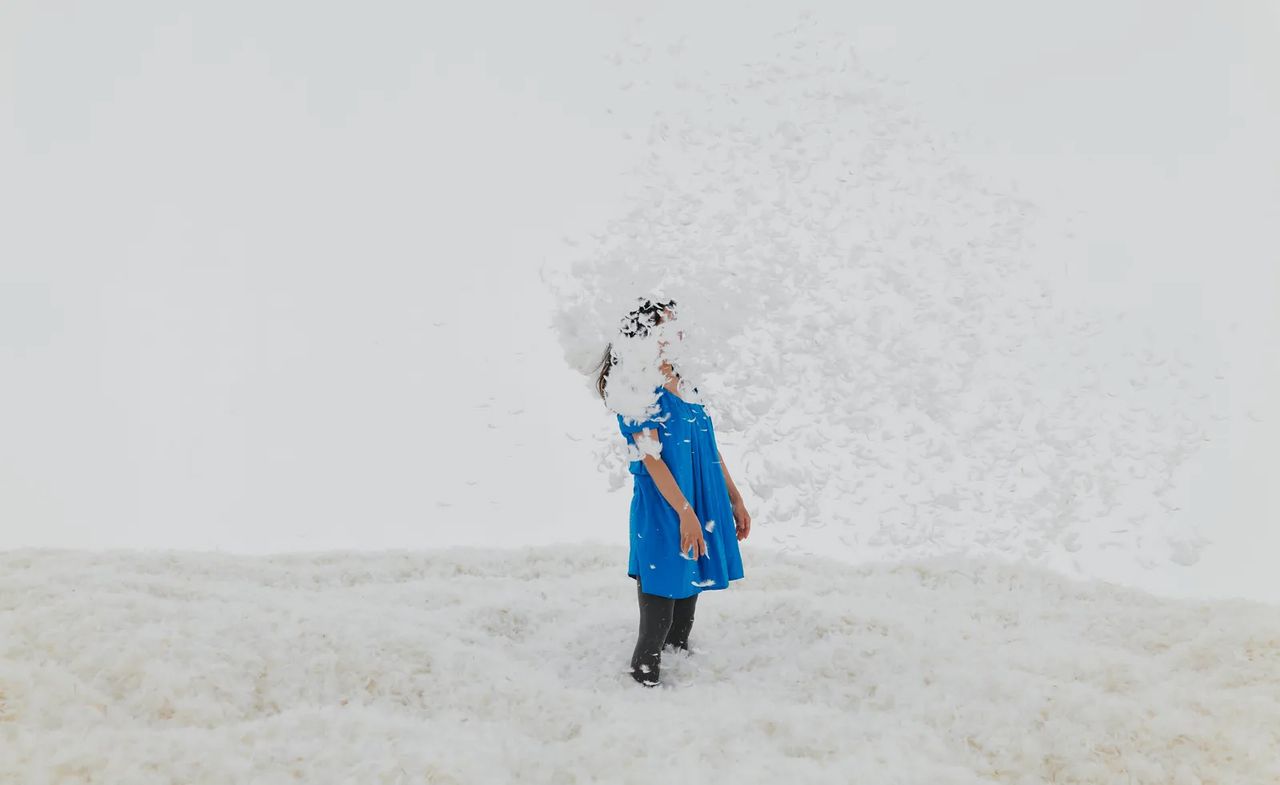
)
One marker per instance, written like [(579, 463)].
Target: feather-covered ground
[(508, 665)]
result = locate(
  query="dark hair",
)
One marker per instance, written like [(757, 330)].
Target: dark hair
[(635, 324)]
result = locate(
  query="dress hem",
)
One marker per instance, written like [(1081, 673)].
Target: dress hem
[(700, 589)]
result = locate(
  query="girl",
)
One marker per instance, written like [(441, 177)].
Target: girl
[(683, 502)]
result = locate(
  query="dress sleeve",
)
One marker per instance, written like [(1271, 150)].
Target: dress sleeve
[(629, 426)]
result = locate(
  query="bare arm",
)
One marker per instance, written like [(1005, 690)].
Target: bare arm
[(661, 474), (734, 496)]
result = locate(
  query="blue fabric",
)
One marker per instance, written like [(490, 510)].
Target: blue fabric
[(689, 450)]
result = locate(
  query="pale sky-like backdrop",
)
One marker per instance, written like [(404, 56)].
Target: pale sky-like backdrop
[(270, 274)]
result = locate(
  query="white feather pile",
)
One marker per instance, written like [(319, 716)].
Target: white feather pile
[(477, 665)]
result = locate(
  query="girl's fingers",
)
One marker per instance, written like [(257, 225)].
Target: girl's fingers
[(698, 546)]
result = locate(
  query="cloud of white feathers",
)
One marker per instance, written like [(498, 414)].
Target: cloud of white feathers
[(867, 318)]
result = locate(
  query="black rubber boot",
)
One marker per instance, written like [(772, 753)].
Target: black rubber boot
[(655, 623), (681, 623)]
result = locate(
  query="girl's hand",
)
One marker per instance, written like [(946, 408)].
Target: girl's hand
[(741, 519), (691, 535)]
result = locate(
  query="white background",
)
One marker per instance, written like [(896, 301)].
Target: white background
[(269, 275)]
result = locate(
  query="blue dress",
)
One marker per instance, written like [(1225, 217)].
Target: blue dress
[(689, 450)]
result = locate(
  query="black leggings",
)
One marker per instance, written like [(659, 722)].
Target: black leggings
[(663, 621)]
